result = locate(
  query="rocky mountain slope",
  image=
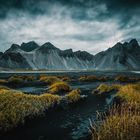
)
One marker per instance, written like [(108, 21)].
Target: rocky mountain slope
[(30, 55), (124, 56), (46, 56)]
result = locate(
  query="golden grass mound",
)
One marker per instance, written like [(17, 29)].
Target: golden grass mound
[(59, 87), (65, 78), (21, 79), (3, 81), (15, 107), (74, 96), (49, 79), (130, 94), (92, 78), (123, 121), (3, 88), (104, 88), (119, 125), (15, 79), (122, 78)]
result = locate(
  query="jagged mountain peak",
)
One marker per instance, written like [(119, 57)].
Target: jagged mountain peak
[(1, 53), (68, 50), (131, 46), (13, 48), (47, 47), (29, 46), (67, 53), (134, 42), (118, 44), (122, 56), (84, 55)]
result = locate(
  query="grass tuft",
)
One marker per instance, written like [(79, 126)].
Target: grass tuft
[(122, 122), (74, 96), (49, 79), (59, 87), (92, 78), (104, 88), (16, 106)]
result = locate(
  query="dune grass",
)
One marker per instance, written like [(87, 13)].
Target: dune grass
[(121, 122), (104, 88), (130, 94), (16, 106), (3, 88), (59, 88), (15, 79), (92, 78), (65, 78), (122, 78), (49, 79), (3, 81), (74, 96)]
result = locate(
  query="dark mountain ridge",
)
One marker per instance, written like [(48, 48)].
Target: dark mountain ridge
[(122, 56)]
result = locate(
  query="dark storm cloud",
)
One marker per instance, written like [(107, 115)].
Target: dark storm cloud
[(100, 10), (78, 9), (91, 25)]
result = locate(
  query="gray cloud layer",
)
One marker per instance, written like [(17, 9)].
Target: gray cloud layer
[(77, 24)]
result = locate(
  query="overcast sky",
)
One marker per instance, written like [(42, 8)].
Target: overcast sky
[(91, 25)]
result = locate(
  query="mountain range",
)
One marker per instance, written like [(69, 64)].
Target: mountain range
[(31, 56)]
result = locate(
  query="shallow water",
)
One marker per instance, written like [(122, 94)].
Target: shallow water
[(33, 90)]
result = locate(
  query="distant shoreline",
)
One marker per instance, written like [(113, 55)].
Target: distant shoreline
[(61, 71)]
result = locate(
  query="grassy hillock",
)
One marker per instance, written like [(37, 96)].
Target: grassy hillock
[(16, 106), (122, 78), (49, 79), (92, 78), (74, 96), (21, 79), (65, 78), (123, 121), (3, 81), (104, 88), (59, 87)]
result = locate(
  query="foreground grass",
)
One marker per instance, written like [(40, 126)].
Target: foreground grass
[(123, 121), (16, 107)]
